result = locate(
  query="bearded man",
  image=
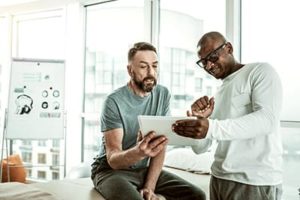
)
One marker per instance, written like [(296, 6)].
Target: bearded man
[(130, 166)]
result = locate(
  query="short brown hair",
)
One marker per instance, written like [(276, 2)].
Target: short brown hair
[(140, 46)]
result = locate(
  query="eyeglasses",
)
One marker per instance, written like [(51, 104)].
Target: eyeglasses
[(213, 56)]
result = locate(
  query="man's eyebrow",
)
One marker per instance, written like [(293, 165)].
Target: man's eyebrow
[(144, 62)]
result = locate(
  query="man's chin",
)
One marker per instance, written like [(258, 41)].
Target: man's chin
[(148, 88)]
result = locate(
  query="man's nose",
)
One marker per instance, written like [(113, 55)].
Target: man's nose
[(208, 65), (151, 70)]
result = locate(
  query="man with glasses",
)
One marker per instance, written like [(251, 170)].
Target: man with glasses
[(130, 167), (243, 118)]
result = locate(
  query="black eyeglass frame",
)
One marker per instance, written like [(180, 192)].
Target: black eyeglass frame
[(203, 61)]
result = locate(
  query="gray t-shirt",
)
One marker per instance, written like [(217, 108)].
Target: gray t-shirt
[(121, 109)]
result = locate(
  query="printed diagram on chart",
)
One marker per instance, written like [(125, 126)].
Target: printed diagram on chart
[(24, 104), (50, 104)]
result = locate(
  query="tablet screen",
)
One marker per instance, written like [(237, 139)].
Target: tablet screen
[(162, 125)]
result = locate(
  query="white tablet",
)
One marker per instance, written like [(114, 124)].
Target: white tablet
[(162, 125)]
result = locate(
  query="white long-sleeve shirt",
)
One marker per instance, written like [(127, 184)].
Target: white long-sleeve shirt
[(245, 122)]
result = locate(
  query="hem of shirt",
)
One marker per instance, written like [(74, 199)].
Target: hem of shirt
[(248, 182)]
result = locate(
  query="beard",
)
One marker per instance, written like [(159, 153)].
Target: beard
[(144, 85)]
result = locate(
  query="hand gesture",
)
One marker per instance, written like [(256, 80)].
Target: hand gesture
[(193, 128), (203, 107)]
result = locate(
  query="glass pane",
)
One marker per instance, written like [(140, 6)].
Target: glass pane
[(182, 25), (41, 38), (40, 159), (291, 162), (3, 36), (3, 53), (275, 39), (107, 44)]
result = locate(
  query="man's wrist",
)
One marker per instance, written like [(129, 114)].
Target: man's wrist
[(149, 186), (209, 129), (138, 153)]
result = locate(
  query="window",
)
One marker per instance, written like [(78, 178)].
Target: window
[(106, 58), (55, 159), (39, 35), (29, 173), (181, 26), (27, 142), (198, 84), (42, 143), (41, 174), (55, 175), (55, 143), (41, 158), (3, 50), (258, 46), (27, 157), (291, 161), (209, 91)]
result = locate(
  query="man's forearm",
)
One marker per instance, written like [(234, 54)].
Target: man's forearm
[(155, 167), (124, 159)]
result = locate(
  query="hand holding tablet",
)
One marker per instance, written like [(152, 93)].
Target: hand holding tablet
[(162, 125)]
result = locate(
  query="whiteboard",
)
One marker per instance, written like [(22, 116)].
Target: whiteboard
[(36, 99)]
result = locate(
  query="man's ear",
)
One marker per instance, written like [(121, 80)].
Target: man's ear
[(129, 70), (230, 48)]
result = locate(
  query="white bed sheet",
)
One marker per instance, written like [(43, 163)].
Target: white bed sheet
[(77, 189), (21, 191)]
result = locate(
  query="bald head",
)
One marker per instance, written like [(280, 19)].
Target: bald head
[(216, 55), (211, 36)]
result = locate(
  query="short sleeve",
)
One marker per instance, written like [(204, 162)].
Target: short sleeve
[(167, 111), (110, 118)]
